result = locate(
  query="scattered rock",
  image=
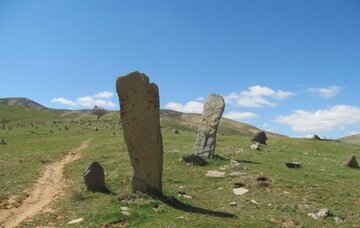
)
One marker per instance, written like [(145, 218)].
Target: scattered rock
[(176, 131), (262, 179), (255, 146), (338, 220), (232, 203), (94, 178), (96, 129), (120, 223), (322, 213), (260, 137), (293, 165), (142, 133), (181, 217), (125, 211), (75, 221), (211, 173), (194, 160), (184, 195), (206, 135), (352, 163), (254, 202), (236, 174), (234, 164), (239, 185), (2, 141), (240, 191)]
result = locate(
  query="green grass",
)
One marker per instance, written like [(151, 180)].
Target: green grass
[(10, 113), (323, 181)]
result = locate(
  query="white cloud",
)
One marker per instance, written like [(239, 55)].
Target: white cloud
[(100, 99), (336, 117), (240, 115), (200, 99), (90, 102), (63, 101), (354, 133), (104, 94), (257, 96), (190, 107), (327, 92)]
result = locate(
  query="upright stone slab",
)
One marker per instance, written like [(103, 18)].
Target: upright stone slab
[(260, 137), (206, 135), (352, 163), (94, 177), (140, 115)]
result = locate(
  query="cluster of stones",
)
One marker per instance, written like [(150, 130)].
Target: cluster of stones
[(140, 116)]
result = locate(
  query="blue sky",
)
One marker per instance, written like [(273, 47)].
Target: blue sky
[(292, 67)]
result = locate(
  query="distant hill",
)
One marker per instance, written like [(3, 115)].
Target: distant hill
[(353, 139), (190, 121), (22, 102), (13, 109)]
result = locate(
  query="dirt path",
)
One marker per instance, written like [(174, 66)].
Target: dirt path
[(48, 187)]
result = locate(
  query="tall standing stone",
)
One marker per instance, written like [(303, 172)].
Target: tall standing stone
[(140, 115), (206, 135)]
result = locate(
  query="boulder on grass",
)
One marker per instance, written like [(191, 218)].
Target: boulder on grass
[(94, 178)]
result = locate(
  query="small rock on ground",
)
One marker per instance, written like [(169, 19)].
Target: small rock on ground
[(240, 191), (75, 221), (212, 173)]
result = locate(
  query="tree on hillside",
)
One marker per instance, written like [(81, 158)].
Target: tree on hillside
[(99, 111)]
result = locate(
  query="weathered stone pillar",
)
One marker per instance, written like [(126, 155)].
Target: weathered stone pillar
[(206, 135), (140, 115)]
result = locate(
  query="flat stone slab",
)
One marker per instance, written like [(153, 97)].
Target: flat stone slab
[(240, 191), (211, 173)]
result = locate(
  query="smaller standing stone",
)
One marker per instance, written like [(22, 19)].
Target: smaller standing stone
[(2, 141), (94, 177), (260, 137), (352, 163)]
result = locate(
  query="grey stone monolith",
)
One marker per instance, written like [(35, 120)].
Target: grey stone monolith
[(206, 135), (140, 115), (94, 178)]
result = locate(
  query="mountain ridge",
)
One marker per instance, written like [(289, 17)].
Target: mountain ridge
[(170, 118)]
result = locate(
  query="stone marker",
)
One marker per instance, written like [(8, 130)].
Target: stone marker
[(2, 141), (140, 115), (206, 135), (293, 165), (352, 163), (94, 178), (194, 160), (260, 137)]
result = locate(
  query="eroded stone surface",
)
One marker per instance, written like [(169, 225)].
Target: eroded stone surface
[(206, 135), (139, 103), (260, 137), (352, 163), (94, 177)]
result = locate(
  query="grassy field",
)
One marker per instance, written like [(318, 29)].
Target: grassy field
[(284, 200)]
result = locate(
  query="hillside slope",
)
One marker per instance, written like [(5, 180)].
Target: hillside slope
[(22, 102), (14, 109), (353, 139)]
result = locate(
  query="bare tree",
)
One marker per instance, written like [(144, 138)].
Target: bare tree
[(99, 111)]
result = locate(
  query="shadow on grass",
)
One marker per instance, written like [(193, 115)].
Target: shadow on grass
[(250, 162), (175, 203)]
